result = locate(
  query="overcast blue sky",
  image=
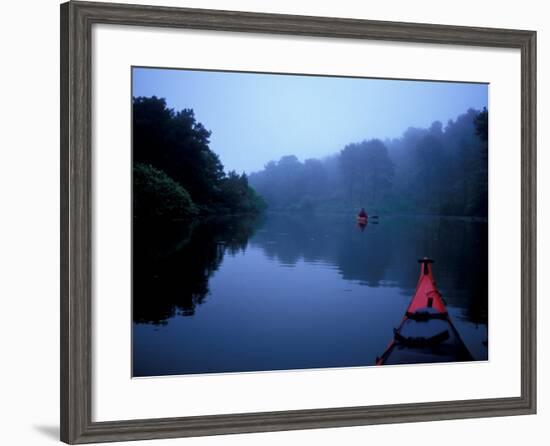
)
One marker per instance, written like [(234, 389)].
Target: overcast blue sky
[(255, 118)]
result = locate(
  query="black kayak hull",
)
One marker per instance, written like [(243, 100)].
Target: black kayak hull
[(425, 341)]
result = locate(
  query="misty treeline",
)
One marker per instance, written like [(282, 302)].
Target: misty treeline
[(175, 173), (437, 170)]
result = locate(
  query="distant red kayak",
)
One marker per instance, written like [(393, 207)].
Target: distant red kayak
[(426, 333), (362, 220)]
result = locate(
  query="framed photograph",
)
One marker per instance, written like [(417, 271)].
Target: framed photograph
[(274, 222)]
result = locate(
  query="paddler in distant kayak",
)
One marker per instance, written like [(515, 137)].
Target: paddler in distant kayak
[(362, 218)]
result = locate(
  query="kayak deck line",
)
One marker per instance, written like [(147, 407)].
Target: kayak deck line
[(426, 333)]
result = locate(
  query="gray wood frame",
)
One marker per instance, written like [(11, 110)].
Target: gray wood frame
[(77, 19)]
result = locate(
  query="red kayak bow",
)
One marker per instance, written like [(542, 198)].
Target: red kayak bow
[(426, 333)]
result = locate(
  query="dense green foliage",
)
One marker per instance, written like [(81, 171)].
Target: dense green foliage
[(158, 195), (438, 170), (238, 197), (172, 159)]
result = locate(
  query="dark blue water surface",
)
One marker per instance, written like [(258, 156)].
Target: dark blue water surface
[(295, 291)]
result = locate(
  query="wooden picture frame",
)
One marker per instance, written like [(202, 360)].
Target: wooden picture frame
[(77, 19)]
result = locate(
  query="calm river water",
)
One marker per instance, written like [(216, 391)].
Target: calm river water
[(295, 291)]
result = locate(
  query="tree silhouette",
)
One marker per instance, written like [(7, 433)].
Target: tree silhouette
[(435, 170), (176, 145)]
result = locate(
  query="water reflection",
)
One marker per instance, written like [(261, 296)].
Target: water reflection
[(173, 262), (387, 252), (312, 290)]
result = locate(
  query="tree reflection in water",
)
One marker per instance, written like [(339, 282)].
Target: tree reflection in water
[(384, 254), (173, 261)]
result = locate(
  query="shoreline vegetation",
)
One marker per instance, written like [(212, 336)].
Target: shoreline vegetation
[(441, 170), (176, 174), (427, 171)]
